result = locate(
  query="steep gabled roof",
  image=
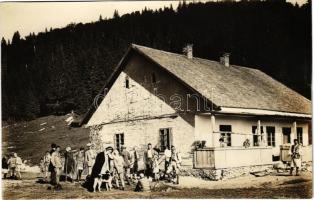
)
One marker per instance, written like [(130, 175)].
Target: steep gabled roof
[(233, 86)]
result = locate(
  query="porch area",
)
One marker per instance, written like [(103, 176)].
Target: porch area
[(229, 157)]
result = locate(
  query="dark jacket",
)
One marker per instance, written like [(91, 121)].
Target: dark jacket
[(99, 162)]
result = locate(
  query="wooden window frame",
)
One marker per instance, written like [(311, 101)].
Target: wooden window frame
[(271, 136), (300, 135), (226, 134), (119, 140), (169, 140)]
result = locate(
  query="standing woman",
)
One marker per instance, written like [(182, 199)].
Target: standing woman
[(118, 162), (69, 164), (80, 163), (5, 166), (46, 162)]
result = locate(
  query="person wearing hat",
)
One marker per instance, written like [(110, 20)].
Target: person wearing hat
[(127, 163), (90, 158), (296, 154), (102, 164), (57, 164)]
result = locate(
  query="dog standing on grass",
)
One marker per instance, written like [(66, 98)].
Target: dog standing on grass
[(103, 178)]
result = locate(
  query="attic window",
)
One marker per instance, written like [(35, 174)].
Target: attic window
[(153, 78), (127, 82)]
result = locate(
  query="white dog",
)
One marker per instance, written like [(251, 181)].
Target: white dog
[(103, 178)]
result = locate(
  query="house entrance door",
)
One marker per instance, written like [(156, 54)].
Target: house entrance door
[(286, 135)]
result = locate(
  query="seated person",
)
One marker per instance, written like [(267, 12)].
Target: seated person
[(143, 184)]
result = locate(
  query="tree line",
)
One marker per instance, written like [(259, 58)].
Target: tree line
[(63, 69)]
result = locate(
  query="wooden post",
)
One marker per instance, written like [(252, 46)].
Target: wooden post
[(213, 121), (259, 137), (294, 132)]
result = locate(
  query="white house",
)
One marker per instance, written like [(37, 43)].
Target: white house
[(166, 99)]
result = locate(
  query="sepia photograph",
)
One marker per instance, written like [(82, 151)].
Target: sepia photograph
[(189, 99)]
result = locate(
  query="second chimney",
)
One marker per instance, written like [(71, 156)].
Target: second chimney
[(224, 59), (188, 51)]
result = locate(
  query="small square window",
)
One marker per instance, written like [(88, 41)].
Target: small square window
[(127, 82)]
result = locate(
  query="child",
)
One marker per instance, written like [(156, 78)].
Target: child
[(156, 168), (143, 184)]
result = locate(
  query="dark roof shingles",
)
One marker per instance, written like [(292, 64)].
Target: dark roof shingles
[(233, 86)]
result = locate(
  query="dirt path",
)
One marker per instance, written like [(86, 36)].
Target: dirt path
[(242, 187), (250, 181)]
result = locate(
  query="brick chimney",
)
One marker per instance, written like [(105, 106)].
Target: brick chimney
[(224, 59), (188, 51)]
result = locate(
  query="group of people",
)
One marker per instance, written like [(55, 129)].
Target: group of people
[(118, 166), (12, 165), (71, 163), (121, 167)]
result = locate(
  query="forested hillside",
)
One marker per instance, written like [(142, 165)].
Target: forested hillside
[(63, 69)]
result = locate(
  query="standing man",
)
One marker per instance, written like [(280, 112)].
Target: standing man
[(56, 162), (135, 159), (127, 163), (102, 166), (51, 167), (5, 166), (296, 152), (90, 157), (18, 166), (80, 163), (148, 158), (175, 160)]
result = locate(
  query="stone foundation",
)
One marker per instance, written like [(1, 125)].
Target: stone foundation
[(223, 174)]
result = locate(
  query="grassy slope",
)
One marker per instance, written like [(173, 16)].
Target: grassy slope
[(31, 144)]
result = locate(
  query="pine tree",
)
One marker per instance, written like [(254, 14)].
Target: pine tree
[(116, 14)]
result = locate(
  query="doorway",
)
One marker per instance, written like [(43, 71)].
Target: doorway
[(286, 132)]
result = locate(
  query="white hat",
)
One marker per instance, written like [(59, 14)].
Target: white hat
[(89, 144)]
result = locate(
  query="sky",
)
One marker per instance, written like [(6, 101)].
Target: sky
[(27, 17)]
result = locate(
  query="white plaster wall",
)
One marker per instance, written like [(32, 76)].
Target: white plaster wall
[(244, 125), (123, 110), (140, 133), (203, 129), (122, 103)]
